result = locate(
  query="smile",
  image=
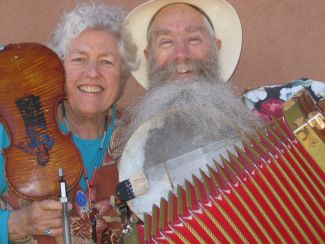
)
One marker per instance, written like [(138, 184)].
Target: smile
[(183, 68), (90, 89)]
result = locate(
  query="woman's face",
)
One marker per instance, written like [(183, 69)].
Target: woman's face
[(92, 65)]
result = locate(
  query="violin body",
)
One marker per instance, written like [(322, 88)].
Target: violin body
[(31, 86)]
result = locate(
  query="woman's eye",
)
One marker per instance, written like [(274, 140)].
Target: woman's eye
[(78, 60), (105, 61)]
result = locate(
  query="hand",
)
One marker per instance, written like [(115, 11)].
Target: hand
[(35, 219)]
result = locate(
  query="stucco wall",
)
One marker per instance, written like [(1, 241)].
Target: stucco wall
[(282, 39)]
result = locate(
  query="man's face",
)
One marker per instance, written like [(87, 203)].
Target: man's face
[(179, 33)]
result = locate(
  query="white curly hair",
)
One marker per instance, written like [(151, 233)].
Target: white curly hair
[(95, 16)]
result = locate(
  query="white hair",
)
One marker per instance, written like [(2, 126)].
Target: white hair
[(199, 110), (94, 16)]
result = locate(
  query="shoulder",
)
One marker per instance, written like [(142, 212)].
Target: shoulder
[(119, 112), (118, 129), (114, 151)]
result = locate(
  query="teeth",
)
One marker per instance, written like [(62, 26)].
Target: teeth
[(90, 89), (182, 68)]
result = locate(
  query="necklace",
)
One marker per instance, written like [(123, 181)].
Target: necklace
[(99, 154), (93, 212)]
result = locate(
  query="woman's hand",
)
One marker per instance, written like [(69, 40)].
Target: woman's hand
[(39, 218)]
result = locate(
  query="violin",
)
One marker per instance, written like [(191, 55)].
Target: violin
[(31, 87)]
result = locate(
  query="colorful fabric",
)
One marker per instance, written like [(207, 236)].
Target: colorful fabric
[(266, 101)]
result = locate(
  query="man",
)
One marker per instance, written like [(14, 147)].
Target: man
[(191, 48)]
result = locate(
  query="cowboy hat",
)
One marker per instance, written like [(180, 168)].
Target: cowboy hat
[(221, 14)]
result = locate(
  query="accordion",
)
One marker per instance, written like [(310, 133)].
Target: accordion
[(270, 190)]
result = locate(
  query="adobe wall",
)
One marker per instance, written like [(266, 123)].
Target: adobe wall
[(282, 40)]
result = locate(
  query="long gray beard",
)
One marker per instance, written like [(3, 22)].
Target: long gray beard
[(197, 111)]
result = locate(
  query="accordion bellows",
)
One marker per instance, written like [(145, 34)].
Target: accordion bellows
[(270, 191)]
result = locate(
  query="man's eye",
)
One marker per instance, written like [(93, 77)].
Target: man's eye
[(166, 42), (195, 39)]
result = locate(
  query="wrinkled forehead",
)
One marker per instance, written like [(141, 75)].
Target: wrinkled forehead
[(198, 10)]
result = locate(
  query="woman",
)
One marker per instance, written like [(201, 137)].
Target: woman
[(97, 58)]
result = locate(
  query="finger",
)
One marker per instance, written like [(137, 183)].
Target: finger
[(53, 232), (45, 210), (70, 206), (41, 226), (50, 223), (50, 205), (56, 232), (48, 215)]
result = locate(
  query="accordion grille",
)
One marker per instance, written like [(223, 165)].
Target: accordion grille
[(270, 191)]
